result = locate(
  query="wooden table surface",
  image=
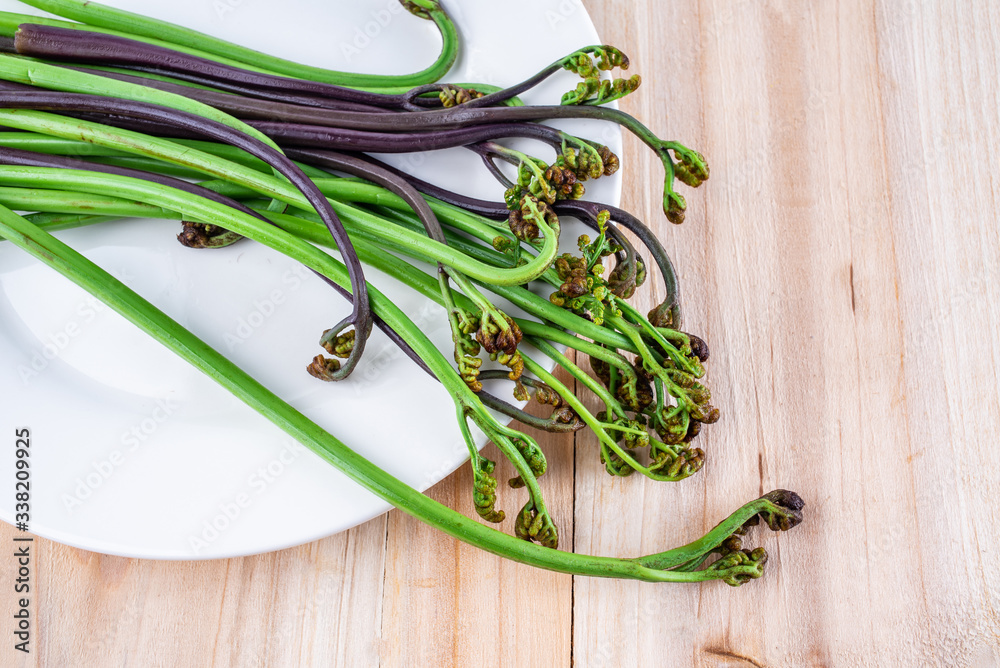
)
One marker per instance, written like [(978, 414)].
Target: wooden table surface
[(843, 264)]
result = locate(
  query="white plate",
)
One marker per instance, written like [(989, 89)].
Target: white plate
[(134, 452)]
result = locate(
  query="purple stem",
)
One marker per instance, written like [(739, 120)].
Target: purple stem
[(82, 46), (341, 139), (241, 107)]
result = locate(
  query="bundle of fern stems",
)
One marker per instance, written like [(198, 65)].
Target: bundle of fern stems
[(110, 115)]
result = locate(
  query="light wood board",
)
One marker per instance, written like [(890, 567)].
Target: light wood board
[(843, 264)]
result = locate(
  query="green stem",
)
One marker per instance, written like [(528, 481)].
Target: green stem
[(59, 145), (51, 145), (144, 315), (184, 39), (415, 244), (710, 540), (53, 222), (62, 202)]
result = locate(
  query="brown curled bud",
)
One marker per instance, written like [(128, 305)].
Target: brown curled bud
[(699, 348), (452, 96), (575, 286), (573, 272), (522, 228), (709, 416), (675, 212), (565, 415), (546, 395), (731, 544), (788, 513), (622, 280), (203, 235), (694, 428), (496, 339), (323, 368), (610, 160), (564, 181), (662, 315), (609, 57)]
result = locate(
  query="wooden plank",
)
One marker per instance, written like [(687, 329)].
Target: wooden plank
[(448, 604), (844, 249), (317, 604)]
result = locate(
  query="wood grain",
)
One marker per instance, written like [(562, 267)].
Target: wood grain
[(842, 262)]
